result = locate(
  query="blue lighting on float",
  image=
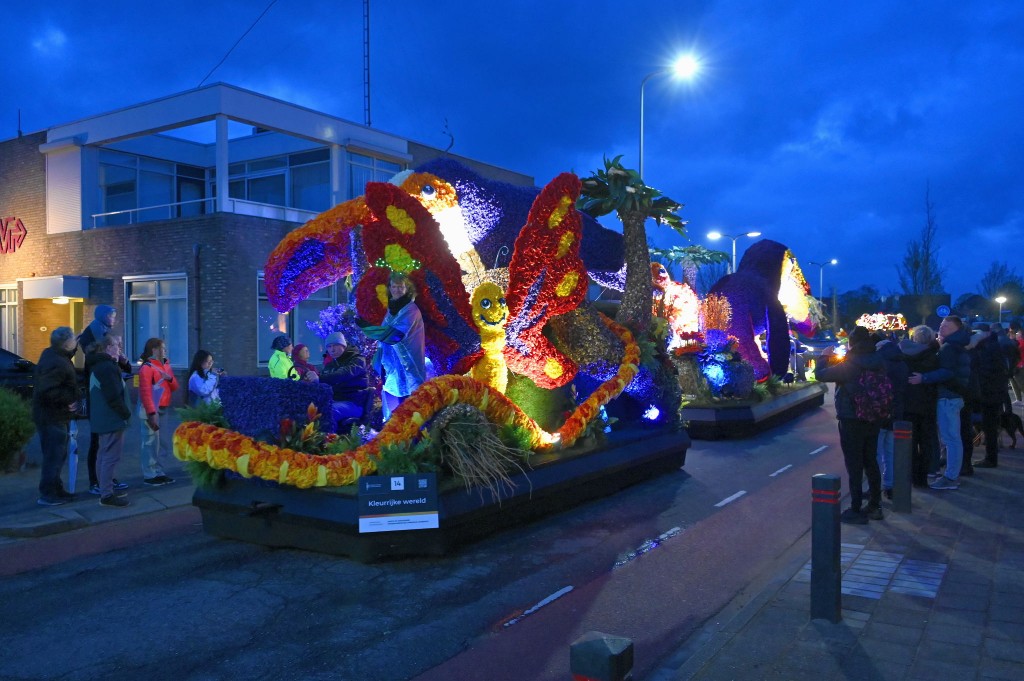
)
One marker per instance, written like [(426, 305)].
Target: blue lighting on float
[(652, 413), (715, 373)]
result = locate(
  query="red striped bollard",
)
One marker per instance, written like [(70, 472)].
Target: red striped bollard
[(902, 433), (826, 571)]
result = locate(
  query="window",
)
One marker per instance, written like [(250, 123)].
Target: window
[(157, 308), (9, 318), (363, 169), (128, 183), (271, 323), (301, 180)]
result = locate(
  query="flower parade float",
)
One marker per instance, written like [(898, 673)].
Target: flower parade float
[(515, 421)]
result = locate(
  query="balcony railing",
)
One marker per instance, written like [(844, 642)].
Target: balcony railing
[(237, 206)]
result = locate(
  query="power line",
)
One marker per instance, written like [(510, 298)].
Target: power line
[(228, 53)]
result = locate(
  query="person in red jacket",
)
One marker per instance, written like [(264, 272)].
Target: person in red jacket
[(156, 383)]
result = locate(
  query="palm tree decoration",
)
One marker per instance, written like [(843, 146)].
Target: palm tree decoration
[(690, 259), (622, 190)]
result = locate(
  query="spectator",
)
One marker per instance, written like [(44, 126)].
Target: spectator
[(280, 364), (305, 370), (401, 354), (896, 369), (1008, 346), (156, 383), (858, 439), (992, 367), (109, 413), (203, 379), (952, 378), (1018, 375), (345, 372), (920, 403), (105, 317), (54, 401)]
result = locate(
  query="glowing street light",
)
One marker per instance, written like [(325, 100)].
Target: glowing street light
[(1000, 300), (821, 275), (715, 236), (684, 68)]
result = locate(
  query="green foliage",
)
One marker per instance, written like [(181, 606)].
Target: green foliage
[(345, 442), (774, 385), (467, 445), (623, 190), (204, 475), (546, 407), (515, 437), (16, 427), (761, 392), (648, 351), (407, 458), (211, 413)]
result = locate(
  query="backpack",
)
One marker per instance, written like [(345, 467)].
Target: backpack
[(873, 396)]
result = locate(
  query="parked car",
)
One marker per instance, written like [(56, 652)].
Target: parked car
[(16, 373)]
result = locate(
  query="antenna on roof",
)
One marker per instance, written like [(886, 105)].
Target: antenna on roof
[(19, 123), (366, 62)]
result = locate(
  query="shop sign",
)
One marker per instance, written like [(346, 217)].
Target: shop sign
[(12, 234)]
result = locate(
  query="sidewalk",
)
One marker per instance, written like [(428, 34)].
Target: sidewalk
[(935, 594), (21, 518)]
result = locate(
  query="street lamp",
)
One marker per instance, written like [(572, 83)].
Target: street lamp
[(821, 276), (1000, 300), (684, 68), (715, 236)]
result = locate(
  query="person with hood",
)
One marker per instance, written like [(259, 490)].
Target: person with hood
[(992, 367), (109, 413), (280, 364), (401, 354), (952, 378), (300, 360), (857, 438), (55, 398), (921, 354), (345, 372), (105, 316), (896, 369)]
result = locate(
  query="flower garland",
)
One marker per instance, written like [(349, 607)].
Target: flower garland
[(226, 449)]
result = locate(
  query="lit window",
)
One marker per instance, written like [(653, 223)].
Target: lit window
[(157, 308)]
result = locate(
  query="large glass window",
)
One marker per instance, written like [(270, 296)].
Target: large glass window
[(147, 188), (301, 180), (157, 308), (9, 318), (363, 169), (271, 323)]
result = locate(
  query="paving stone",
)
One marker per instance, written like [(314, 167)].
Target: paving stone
[(954, 653), (845, 632), (908, 602), (1010, 631), (1000, 669), (862, 667), (931, 669), (979, 590), (886, 650), (948, 633), (943, 615), (1010, 651), (900, 616), (893, 632), (1006, 613), (974, 603)]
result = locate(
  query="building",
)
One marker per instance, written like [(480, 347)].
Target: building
[(168, 209)]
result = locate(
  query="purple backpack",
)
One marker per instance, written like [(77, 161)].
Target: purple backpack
[(873, 396)]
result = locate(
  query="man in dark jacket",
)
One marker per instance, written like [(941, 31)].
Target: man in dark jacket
[(105, 316), (345, 372), (992, 367), (952, 378), (858, 439), (921, 353), (109, 413), (54, 401)]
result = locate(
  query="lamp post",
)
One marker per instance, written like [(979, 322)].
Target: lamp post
[(1000, 300), (685, 67), (821, 276), (715, 236)]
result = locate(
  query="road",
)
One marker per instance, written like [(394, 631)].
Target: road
[(191, 606)]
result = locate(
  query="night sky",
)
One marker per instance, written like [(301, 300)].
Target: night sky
[(819, 124)]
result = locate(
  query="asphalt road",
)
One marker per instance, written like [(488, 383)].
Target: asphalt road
[(190, 606)]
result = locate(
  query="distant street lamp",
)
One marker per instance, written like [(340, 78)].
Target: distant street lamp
[(684, 68), (715, 236), (821, 275), (1000, 300)]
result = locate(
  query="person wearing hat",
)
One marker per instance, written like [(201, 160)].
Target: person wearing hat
[(345, 372), (857, 438), (953, 379), (280, 364)]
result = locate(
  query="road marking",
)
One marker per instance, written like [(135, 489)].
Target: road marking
[(648, 545), (731, 499), (781, 470), (540, 604), (819, 449)]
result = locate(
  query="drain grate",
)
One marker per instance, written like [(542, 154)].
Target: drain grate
[(871, 573)]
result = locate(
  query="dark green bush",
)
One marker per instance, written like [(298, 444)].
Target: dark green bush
[(16, 427)]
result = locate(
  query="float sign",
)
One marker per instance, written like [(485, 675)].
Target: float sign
[(398, 502)]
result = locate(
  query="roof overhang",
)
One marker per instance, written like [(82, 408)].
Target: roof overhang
[(60, 286)]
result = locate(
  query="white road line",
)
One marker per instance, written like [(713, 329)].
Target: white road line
[(728, 500), (781, 470), (819, 449), (553, 597)]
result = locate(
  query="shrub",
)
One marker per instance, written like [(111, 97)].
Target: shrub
[(255, 405), (16, 427)]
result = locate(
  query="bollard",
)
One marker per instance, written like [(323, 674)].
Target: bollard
[(601, 657), (902, 433), (826, 572)]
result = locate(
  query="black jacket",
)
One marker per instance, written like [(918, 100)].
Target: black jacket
[(108, 410), (846, 371), (55, 386), (989, 364), (920, 399), (346, 375), (954, 373)]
